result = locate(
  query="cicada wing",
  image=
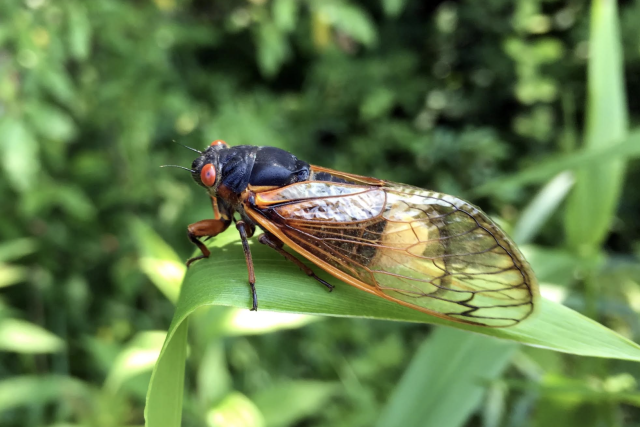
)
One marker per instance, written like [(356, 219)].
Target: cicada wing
[(427, 250)]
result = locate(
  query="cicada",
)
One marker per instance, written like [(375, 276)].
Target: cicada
[(426, 250)]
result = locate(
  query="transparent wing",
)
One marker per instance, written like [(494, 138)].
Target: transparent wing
[(427, 250)]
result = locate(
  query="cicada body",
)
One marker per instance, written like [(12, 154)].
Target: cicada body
[(426, 250)]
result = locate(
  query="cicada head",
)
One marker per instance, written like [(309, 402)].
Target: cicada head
[(206, 169)]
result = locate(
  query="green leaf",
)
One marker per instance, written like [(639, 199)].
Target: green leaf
[(244, 322), (288, 403), (164, 398), (79, 31), (139, 356), (19, 151), (393, 8), (235, 410), (285, 14), (222, 280), (273, 48), (446, 380), (541, 208), (158, 260), (51, 123), (17, 248), (351, 20), (24, 337), (627, 148), (593, 202), (10, 275), (29, 391)]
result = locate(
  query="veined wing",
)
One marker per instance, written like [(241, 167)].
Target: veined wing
[(426, 250)]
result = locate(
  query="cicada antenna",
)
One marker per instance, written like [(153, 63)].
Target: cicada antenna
[(176, 166), (185, 146)]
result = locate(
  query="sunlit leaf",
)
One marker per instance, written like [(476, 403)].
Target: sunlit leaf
[(15, 249), (235, 410), (10, 275), (19, 151), (138, 356), (27, 391), (393, 8), (25, 337), (352, 20), (244, 322), (159, 261), (541, 207), (285, 14), (79, 27), (51, 123)]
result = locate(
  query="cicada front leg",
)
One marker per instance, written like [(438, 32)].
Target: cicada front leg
[(208, 228), (205, 228)]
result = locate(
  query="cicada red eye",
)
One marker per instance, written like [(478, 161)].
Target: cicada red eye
[(219, 142), (208, 175)]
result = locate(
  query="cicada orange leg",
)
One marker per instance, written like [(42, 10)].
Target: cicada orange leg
[(205, 228)]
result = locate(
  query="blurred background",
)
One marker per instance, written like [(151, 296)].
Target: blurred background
[(456, 96)]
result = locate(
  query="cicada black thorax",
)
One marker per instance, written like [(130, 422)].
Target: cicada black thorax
[(244, 169)]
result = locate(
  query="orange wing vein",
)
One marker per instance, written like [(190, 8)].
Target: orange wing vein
[(426, 250)]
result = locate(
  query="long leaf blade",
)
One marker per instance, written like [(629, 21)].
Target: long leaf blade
[(593, 201), (446, 380)]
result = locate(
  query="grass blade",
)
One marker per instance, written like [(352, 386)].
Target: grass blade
[(542, 207), (446, 380), (593, 202), (626, 148), (164, 398)]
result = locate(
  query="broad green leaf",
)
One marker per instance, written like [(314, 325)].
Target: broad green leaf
[(10, 275), (446, 380), (79, 27), (393, 8), (273, 48), (158, 260), (235, 410), (285, 14), (25, 337), (222, 280), (28, 391), (139, 356), (14, 249), (594, 199), (51, 123), (213, 378), (351, 20), (288, 403), (19, 151)]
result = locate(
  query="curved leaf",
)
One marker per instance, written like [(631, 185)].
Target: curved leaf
[(222, 280)]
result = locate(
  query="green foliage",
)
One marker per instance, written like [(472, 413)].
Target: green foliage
[(479, 99)]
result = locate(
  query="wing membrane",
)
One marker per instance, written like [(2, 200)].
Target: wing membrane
[(427, 250)]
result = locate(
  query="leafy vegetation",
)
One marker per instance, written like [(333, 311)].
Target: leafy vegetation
[(524, 108)]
